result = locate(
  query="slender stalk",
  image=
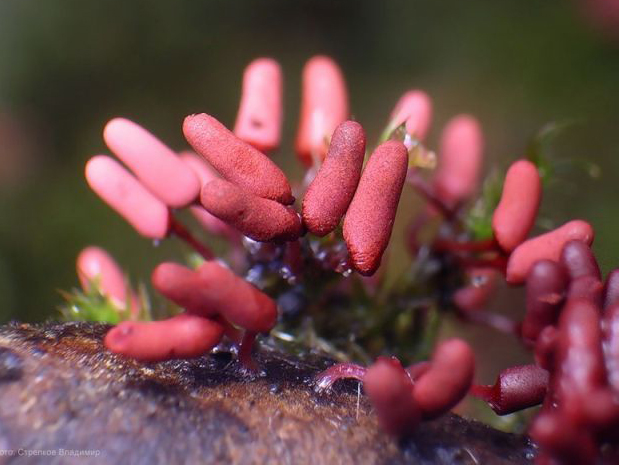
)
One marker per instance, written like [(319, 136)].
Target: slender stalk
[(178, 229)]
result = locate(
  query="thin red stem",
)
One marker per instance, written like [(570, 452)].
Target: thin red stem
[(177, 228), (327, 378), (247, 344)]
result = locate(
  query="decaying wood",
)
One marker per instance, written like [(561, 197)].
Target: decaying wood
[(63, 395)]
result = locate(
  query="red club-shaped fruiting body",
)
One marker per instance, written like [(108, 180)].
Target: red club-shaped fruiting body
[(185, 287), (546, 246), (238, 301), (579, 260), (213, 290), (391, 392), (371, 214), (120, 190), (330, 193), (156, 166), (259, 119), (447, 380), (580, 358), (460, 159), (516, 388), (515, 215), (324, 106), (182, 336), (206, 174), (546, 288), (260, 219), (235, 160)]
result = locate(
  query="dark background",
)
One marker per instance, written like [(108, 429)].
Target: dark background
[(67, 66)]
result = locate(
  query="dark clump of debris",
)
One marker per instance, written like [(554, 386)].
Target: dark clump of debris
[(66, 399)]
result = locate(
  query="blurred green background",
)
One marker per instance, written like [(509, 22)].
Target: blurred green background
[(67, 66)]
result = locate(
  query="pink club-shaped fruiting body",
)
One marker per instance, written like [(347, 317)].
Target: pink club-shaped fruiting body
[(324, 105), (259, 119), (96, 267), (327, 249), (414, 110), (460, 160), (157, 167), (114, 184)]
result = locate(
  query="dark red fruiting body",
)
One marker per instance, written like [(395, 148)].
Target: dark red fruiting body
[(391, 392), (235, 160), (545, 291), (371, 214), (447, 380), (260, 219), (579, 260), (330, 193), (515, 389), (611, 289)]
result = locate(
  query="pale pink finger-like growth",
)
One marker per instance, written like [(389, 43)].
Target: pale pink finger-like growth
[(95, 265), (324, 105), (156, 166), (121, 191), (182, 336), (546, 288), (545, 246), (260, 219), (371, 214), (482, 283), (515, 389), (415, 109), (259, 119), (330, 193), (515, 214), (447, 380), (460, 160), (237, 300), (206, 174), (235, 160), (185, 287), (391, 392)]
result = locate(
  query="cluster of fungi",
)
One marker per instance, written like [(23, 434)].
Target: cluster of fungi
[(234, 190)]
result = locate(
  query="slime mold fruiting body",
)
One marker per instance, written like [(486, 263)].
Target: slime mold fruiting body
[(299, 270)]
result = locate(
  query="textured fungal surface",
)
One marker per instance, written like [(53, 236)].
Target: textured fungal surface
[(59, 388)]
